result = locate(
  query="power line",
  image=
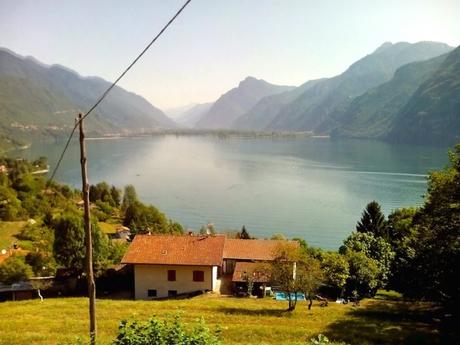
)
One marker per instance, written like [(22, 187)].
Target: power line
[(106, 92)]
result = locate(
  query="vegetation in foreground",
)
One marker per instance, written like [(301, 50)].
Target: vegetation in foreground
[(242, 320)]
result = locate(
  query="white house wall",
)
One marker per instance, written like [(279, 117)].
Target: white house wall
[(155, 277)]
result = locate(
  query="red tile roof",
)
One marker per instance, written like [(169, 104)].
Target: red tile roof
[(243, 270), (260, 250), (175, 250)]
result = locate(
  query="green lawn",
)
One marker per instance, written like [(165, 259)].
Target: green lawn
[(7, 232), (244, 321), (108, 228)]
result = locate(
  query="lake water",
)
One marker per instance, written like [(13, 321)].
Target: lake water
[(311, 188)]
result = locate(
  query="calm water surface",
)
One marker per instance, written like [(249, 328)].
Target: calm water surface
[(310, 188)]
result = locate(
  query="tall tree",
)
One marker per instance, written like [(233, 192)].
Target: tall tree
[(292, 271), (403, 238), (282, 272), (373, 247), (243, 234), (309, 277), (373, 220), (116, 195), (129, 197), (69, 242), (437, 257)]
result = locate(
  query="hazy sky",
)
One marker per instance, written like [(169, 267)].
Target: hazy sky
[(216, 43)]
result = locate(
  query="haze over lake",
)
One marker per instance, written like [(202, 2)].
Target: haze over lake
[(311, 188)]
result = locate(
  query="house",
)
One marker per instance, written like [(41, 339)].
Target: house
[(17, 291), (122, 232), (168, 266), (242, 260)]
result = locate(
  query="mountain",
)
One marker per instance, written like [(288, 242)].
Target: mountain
[(41, 100), (265, 111), (176, 112), (314, 107), (238, 101), (432, 114), (190, 117), (372, 114)]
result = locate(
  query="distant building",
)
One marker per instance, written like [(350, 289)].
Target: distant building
[(168, 266), (122, 232), (17, 291)]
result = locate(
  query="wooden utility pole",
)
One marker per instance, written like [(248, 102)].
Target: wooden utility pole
[(88, 239)]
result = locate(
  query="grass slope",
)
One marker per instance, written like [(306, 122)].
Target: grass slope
[(244, 321), (7, 232)]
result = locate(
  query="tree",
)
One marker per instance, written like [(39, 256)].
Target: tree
[(14, 270), (336, 271), (437, 249), (175, 228), (293, 271), (373, 220), (142, 219), (129, 197), (10, 205), (403, 238), (278, 237), (373, 247), (309, 277), (116, 195), (364, 271), (69, 243), (282, 272), (243, 234), (40, 257)]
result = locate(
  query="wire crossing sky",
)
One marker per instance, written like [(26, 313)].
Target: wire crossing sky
[(217, 43)]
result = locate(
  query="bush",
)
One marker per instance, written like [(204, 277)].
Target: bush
[(165, 332), (14, 270)]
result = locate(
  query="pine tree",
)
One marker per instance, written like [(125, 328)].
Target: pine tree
[(373, 221), (243, 234)]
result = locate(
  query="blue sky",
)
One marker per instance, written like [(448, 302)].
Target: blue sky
[(216, 43)]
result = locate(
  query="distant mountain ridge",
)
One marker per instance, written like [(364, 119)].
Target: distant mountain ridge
[(316, 107), (238, 101), (372, 115), (190, 117), (401, 92), (41, 100), (432, 114)]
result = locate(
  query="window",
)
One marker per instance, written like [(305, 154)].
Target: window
[(172, 293), (171, 275), (152, 293), (198, 276)]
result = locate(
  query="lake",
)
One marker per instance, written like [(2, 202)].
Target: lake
[(313, 188)]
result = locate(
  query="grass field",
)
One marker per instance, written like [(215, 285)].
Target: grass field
[(244, 321), (7, 232), (108, 228)]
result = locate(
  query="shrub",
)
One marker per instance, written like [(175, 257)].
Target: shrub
[(165, 332), (14, 270)]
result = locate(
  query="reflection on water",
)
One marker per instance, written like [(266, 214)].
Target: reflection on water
[(310, 188)]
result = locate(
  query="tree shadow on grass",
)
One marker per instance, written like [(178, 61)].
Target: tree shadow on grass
[(390, 322), (256, 312)]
